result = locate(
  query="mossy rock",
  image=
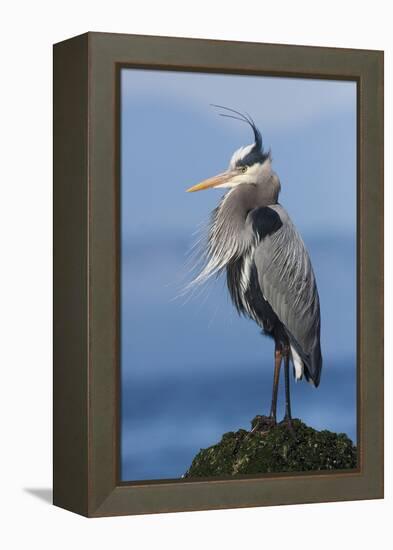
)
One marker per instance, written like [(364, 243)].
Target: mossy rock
[(270, 449)]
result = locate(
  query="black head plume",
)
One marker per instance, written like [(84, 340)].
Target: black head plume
[(243, 118), (257, 153)]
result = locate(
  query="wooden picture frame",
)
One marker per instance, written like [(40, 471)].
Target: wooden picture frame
[(86, 273)]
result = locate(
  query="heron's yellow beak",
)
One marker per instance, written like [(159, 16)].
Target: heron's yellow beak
[(220, 179)]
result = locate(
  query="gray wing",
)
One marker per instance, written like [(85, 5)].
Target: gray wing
[(287, 282)]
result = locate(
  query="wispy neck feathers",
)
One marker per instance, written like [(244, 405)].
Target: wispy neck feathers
[(229, 235)]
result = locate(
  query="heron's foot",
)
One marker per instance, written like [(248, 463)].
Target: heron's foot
[(262, 423), (287, 422)]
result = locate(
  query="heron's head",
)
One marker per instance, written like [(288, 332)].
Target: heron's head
[(249, 164)]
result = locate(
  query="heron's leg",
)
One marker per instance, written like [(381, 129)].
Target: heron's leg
[(288, 416), (276, 379)]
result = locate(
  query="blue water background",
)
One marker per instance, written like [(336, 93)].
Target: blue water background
[(191, 368)]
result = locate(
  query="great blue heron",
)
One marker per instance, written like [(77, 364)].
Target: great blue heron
[(269, 272)]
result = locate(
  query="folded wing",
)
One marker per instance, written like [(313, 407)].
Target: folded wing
[(287, 282)]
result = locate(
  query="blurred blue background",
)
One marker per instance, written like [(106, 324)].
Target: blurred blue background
[(191, 369)]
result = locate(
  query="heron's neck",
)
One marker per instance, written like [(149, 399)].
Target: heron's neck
[(245, 197), (229, 238), (233, 209)]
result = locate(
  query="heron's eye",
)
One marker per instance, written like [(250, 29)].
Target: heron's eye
[(244, 169)]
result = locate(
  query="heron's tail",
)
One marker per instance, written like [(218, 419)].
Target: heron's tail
[(313, 365), (307, 364)]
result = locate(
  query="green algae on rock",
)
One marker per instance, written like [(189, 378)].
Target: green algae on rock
[(273, 449)]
